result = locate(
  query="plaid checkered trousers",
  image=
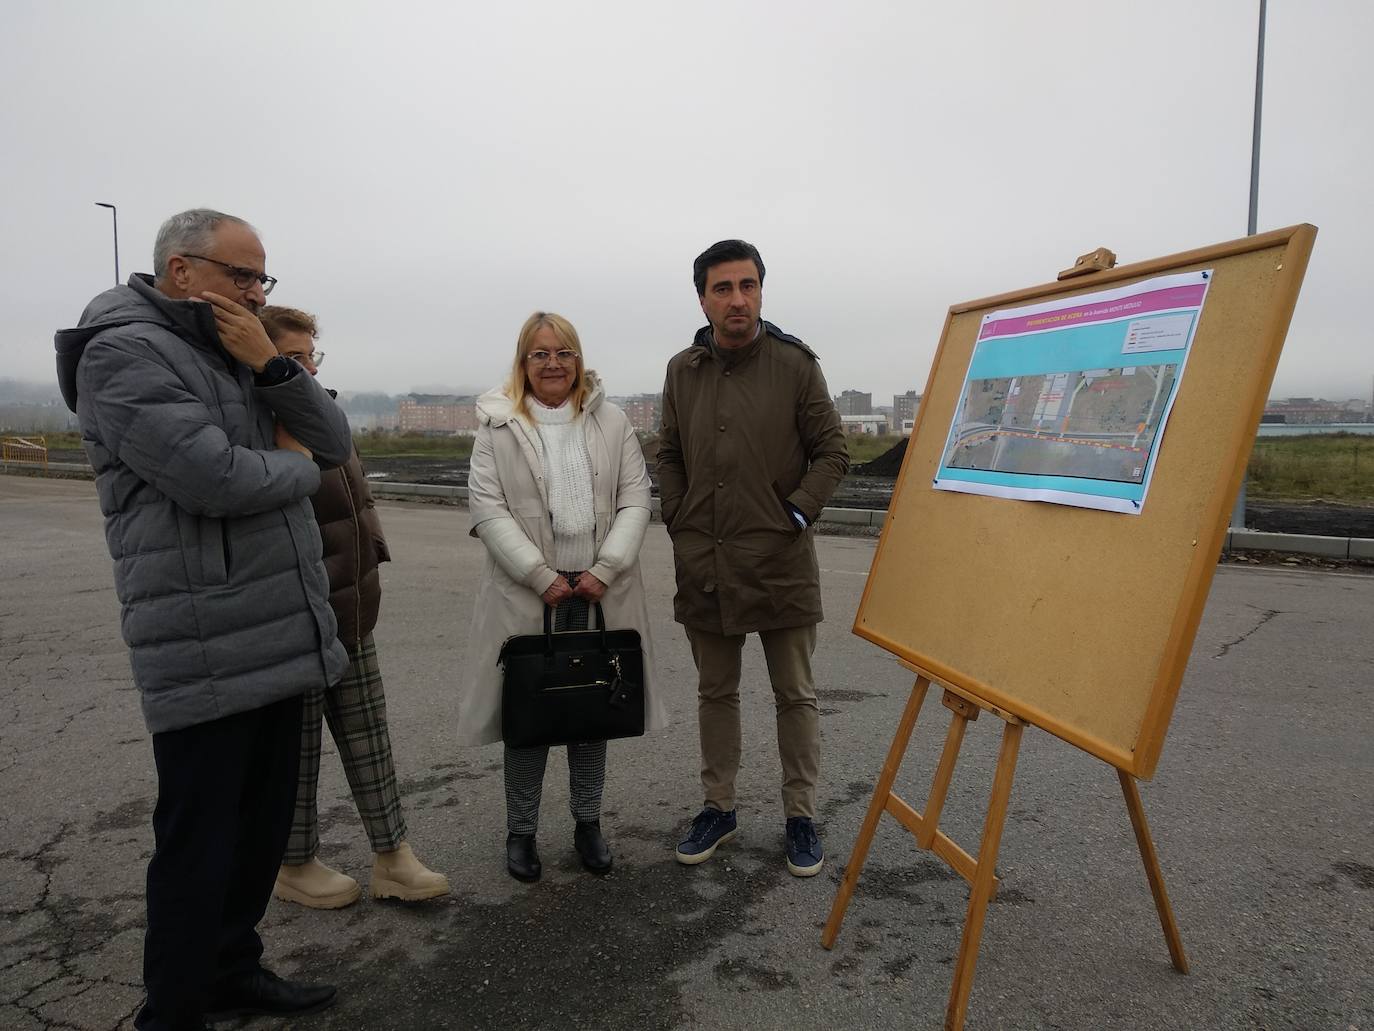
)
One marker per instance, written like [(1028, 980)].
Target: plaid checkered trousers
[(355, 709)]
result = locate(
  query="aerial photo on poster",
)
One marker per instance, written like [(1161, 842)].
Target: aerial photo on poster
[(1066, 401)]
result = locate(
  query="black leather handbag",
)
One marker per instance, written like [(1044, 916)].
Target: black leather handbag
[(572, 686)]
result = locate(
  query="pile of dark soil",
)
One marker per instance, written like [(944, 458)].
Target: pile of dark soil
[(447, 472), (889, 463), (1321, 518)]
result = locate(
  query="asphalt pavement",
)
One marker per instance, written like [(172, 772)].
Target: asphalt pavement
[(1262, 812)]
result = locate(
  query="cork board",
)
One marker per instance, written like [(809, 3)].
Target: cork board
[(1080, 621)]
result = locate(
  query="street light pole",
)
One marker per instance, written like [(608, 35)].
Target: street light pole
[(1255, 140), (1238, 513), (114, 213)]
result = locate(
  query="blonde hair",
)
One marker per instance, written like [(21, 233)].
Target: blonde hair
[(518, 386), (277, 319)]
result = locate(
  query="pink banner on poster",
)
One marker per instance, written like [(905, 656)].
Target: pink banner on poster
[(1127, 307)]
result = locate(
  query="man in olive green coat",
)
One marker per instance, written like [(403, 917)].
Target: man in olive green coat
[(751, 450)]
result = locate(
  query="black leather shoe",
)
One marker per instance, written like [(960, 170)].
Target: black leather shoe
[(141, 1021), (522, 858), (263, 993), (591, 846)]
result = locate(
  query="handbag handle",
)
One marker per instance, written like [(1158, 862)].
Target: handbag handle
[(548, 627)]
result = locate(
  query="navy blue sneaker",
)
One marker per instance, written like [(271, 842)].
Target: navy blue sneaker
[(804, 855), (710, 828)]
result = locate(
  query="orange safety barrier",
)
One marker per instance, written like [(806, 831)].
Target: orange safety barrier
[(24, 451)]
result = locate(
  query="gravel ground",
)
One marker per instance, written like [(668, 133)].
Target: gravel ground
[(1260, 812)]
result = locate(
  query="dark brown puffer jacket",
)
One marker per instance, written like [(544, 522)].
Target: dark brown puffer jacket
[(353, 546)]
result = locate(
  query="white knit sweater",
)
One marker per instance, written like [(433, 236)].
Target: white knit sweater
[(568, 473)]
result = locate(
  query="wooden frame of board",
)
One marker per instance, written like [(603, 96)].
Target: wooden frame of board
[(1079, 621)]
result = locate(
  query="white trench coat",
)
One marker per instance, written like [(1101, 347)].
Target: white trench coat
[(506, 477)]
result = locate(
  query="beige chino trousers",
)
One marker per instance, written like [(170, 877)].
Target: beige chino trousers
[(788, 654)]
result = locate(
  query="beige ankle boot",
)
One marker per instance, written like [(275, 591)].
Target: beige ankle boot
[(315, 885), (399, 875)]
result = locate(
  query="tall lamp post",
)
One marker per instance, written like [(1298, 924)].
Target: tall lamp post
[(1255, 139), (1238, 513), (114, 213)]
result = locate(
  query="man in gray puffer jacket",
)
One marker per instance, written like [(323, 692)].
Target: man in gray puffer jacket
[(207, 446)]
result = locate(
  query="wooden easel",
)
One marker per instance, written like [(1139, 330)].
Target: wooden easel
[(928, 601), (980, 873)]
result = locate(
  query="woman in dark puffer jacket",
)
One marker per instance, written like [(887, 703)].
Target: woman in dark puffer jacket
[(355, 708)]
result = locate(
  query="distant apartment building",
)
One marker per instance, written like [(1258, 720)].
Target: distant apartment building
[(643, 410), (437, 413), (875, 425), (854, 402), (1315, 411), (372, 421), (904, 408)]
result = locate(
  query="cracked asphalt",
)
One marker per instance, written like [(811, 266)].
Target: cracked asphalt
[(1261, 811)]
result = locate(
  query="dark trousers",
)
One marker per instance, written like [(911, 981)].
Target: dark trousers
[(225, 794)]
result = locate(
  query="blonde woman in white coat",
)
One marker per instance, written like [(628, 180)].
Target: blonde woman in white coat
[(559, 495)]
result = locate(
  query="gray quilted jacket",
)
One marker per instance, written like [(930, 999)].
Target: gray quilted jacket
[(215, 546)]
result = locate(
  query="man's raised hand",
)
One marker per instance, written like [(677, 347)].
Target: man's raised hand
[(240, 331)]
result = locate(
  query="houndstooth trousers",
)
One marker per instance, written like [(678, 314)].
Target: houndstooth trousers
[(355, 709), (586, 761)]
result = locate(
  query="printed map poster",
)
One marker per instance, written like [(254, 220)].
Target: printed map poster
[(1066, 401)]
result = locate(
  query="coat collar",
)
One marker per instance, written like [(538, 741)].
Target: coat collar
[(703, 345), (495, 408)]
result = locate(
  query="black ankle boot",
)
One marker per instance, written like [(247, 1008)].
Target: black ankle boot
[(591, 846), (522, 858)]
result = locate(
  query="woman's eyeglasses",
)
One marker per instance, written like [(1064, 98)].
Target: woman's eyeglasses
[(564, 357)]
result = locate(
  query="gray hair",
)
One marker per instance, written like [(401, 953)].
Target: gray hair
[(191, 232)]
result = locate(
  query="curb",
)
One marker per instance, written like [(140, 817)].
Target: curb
[(1341, 548), (1344, 548), (55, 470)]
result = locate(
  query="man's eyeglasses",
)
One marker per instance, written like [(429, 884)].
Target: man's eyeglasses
[(243, 277), (563, 357), (313, 357)]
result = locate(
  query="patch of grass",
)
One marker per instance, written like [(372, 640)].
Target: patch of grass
[(411, 445), (864, 447), (61, 440), (1331, 466)]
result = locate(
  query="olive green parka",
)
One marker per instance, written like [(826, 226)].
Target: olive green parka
[(744, 432)]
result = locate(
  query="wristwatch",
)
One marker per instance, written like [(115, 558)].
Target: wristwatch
[(278, 369)]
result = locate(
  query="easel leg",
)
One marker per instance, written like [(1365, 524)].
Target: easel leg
[(1152, 871), (983, 879), (875, 811), (964, 712)]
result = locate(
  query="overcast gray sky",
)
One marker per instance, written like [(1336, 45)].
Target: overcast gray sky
[(426, 175)]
